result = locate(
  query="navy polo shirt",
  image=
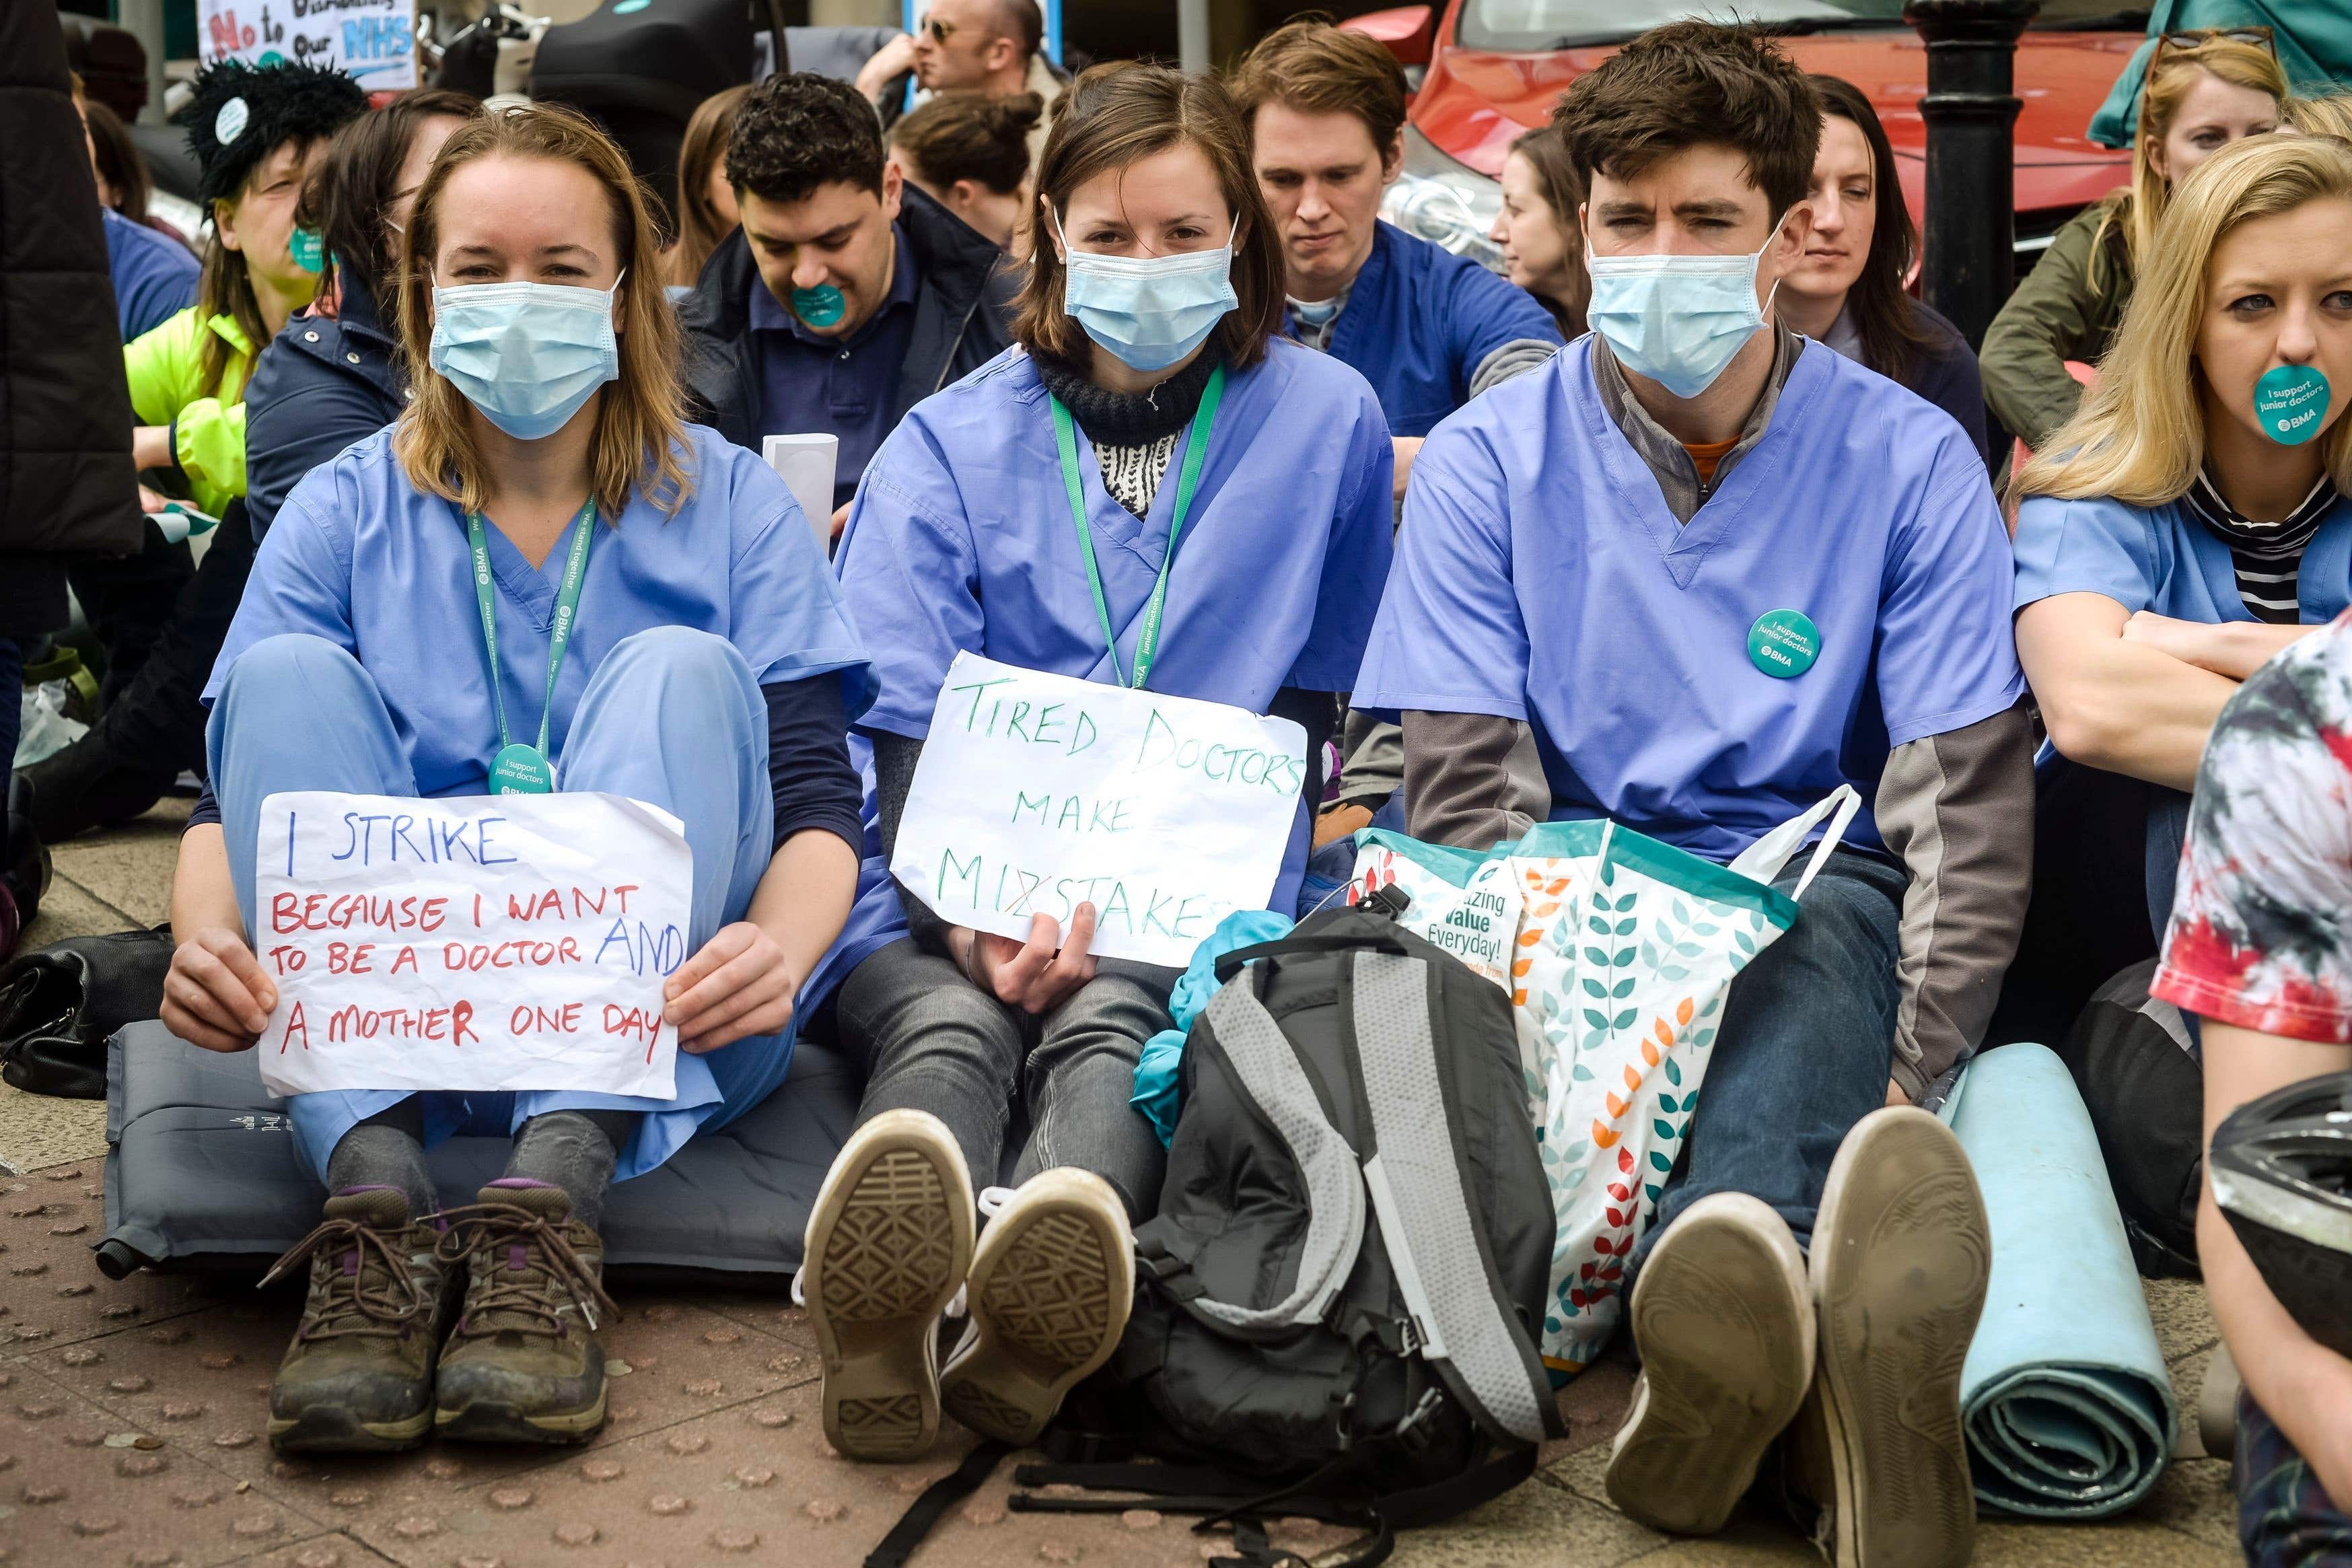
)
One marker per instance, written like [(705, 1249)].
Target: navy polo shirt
[(811, 384)]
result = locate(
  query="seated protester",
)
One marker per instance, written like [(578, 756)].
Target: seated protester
[(2329, 115), (1428, 329), (333, 378), (1155, 394), (705, 202), (2172, 538), (1848, 292), (970, 153), (1537, 228), (2198, 99), (154, 274), (1591, 558), (2256, 951), (255, 131), (543, 463), (846, 298)]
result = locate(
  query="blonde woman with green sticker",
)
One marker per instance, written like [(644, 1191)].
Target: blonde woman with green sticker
[(2191, 520)]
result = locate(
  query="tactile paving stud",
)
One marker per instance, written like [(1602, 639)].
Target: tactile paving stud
[(134, 1466), (83, 1436), (201, 1496), (416, 1527), (480, 1561), (688, 1442), (721, 1336), (236, 1440), (1140, 1518), (72, 1176), (1058, 1552), (96, 1527), (349, 1497), (511, 1497), (154, 1557), (575, 1534), (318, 1557), (73, 1228), (771, 1419), (183, 1409), (117, 1310), (27, 1270), (734, 1540), (133, 1384), (444, 1470), (669, 1505), (602, 1471), (45, 1492), (658, 1314), (221, 1361), (38, 1409), (81, 1355), (252, 1527), (823, 1509), (982, 1511), (753, 1476), (169, 1334), (71, 1290), (784, 1363), (707, 1387)]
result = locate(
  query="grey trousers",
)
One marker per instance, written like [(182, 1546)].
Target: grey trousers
[(931, 1040)]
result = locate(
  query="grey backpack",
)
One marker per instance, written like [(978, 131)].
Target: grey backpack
[(1337, 1307)]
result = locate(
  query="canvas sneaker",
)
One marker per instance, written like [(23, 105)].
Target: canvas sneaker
[(886, 1248), (1049, 1294), (1724, 1322), (524, 1362), (359, 1375), (1901, 1257)]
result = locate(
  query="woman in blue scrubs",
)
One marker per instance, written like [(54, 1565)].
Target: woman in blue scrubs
[(1151, 454), (2190, 521), (540, 536)]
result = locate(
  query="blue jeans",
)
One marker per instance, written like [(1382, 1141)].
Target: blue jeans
[(671, 717), (1807, 1045)]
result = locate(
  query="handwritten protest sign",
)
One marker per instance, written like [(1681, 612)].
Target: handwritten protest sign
[(1038, 793), (375, 40), (476, 942)]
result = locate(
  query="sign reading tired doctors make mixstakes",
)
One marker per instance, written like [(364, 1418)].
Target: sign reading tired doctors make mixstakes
[(475, 942), (1038, 793)]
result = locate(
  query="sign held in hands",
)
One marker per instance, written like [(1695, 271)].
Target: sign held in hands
[(1038, 793), (475, 942)]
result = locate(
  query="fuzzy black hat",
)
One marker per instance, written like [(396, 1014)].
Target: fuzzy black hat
[(241, 114)]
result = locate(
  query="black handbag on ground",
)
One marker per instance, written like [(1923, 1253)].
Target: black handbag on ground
[(59, 1004)]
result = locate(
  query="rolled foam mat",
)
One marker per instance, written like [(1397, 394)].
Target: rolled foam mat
[(2068, 1408)]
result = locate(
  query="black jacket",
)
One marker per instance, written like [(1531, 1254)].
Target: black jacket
[(66, 483), (963, 309), (323, 384)]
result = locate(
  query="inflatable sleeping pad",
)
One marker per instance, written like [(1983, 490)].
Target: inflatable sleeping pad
[(203, 1172)]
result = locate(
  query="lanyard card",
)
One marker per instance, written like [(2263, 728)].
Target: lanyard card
[(476, 942)]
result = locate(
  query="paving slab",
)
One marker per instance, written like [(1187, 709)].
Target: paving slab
[(38, 1131), (2183, 1317), (1539, 1525), (68, 910), (51, 1292), (129, 868)]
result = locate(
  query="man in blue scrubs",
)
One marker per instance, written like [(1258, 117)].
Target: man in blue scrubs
[(1693, 576), (846, 297)]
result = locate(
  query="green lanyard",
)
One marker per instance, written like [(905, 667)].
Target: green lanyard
[(519, 769), (1196, 453)]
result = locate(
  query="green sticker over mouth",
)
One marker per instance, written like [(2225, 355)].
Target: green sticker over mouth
[(1783, 644)]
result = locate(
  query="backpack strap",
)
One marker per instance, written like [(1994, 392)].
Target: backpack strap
[(1459, 1312), (1269, 1071), (937, 1498)]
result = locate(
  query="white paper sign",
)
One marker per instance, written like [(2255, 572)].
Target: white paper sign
[(805, 464), (476, 942), (1038, 793), (375, 40)]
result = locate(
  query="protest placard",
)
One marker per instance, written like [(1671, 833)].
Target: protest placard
[(1038, 793), (476, 942), (375, 40)]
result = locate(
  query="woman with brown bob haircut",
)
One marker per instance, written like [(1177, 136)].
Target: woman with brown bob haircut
[(1151, 489), (407, 620)]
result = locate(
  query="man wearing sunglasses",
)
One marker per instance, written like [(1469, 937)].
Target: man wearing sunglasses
[(973, 45)]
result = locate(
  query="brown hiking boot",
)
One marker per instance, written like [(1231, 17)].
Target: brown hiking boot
[(359, 1375), (523, 1364)]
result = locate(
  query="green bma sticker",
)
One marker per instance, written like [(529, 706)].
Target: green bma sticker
[(1783, 644)]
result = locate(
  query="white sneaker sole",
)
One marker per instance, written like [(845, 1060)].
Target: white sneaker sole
[(1725, 1323), (1901, 1257), (888, 1242), (1050, 1291)]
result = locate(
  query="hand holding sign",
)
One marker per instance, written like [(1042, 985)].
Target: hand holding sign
[(1039, 975), (478, 942), (1040, 795)]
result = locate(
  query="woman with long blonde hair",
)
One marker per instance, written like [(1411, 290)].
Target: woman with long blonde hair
[(2204, 90), (2190, 519), (541, 495)]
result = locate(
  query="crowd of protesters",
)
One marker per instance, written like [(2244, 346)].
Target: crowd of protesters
[(1500, 543)]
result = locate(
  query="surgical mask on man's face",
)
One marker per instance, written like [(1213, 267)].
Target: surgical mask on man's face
[(1677, 320), (527, 354), (1148, 311)]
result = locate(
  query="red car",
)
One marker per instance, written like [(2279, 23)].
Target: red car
[(1489, 69)]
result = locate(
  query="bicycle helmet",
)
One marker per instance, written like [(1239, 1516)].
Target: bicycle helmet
[(2280, 1166)]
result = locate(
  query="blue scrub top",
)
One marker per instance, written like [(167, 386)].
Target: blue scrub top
[(960, 539), (1540, 577), (363, 558), (154, 275), (2162, 559), (1420, 320)]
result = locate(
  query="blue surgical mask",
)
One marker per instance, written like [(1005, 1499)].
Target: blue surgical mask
[(1677, 320), (526, 354), (1148, 310)]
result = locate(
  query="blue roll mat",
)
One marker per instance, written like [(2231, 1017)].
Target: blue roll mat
[(2068, 1408)]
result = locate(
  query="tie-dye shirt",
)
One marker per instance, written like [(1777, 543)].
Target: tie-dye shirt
[(2262, 926)]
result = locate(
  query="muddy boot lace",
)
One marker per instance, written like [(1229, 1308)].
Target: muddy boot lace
[(520, 1294), (370, 1290)]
